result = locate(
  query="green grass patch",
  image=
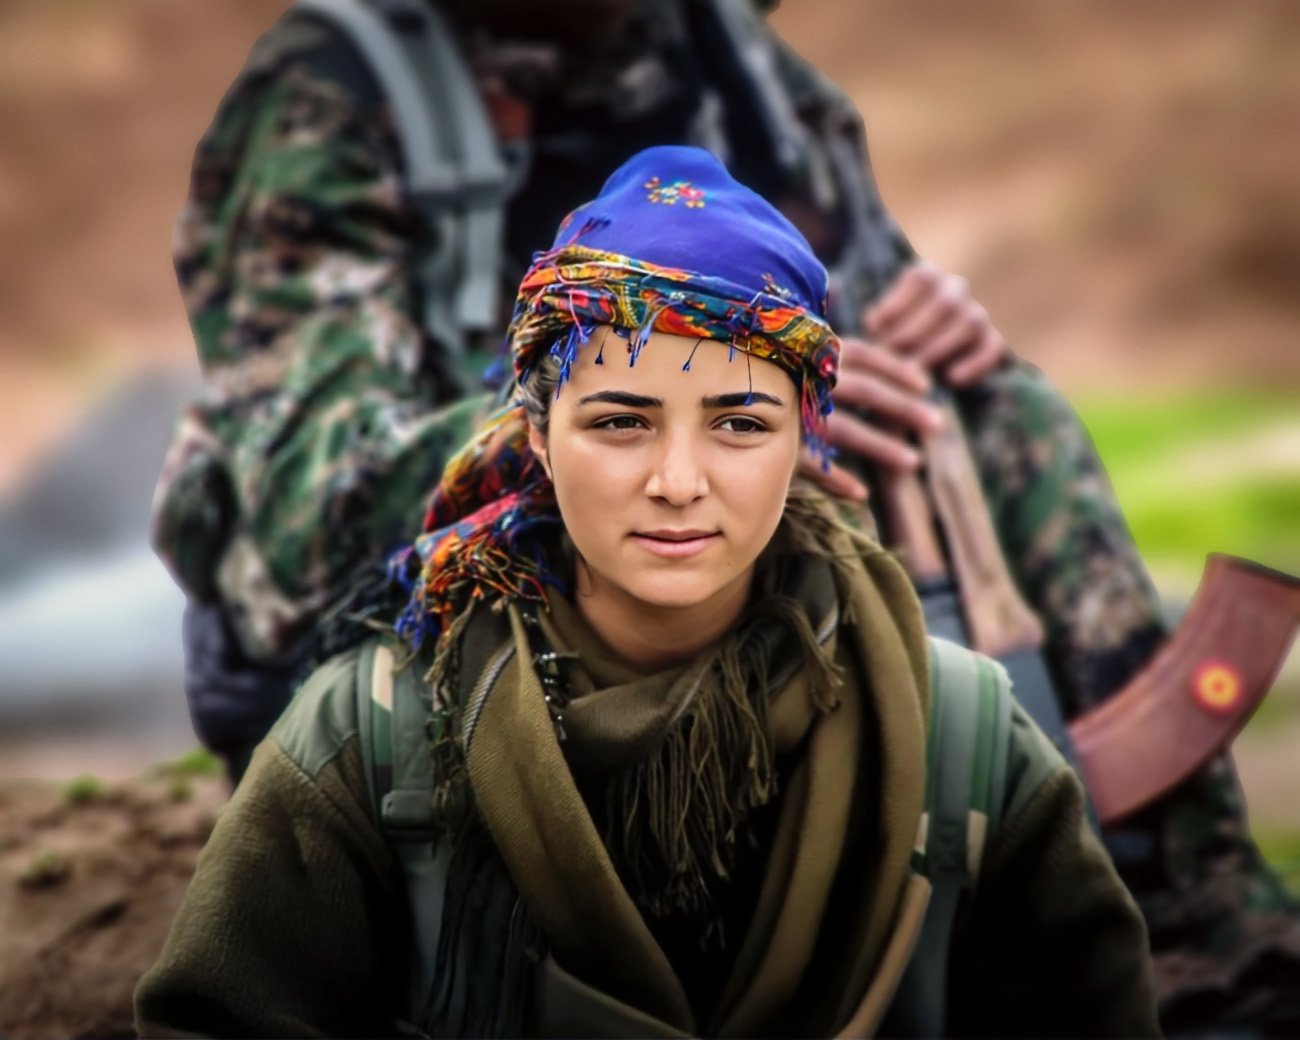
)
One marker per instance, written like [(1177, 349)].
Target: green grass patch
[(1282, 849), (83, 790), (1257, 519), (199, 762), (1178, 510), (1128, 428)]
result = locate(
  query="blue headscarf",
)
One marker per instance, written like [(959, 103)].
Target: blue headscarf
[(674, 243)]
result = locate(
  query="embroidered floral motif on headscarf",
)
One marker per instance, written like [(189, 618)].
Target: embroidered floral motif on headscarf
[(668, 194)]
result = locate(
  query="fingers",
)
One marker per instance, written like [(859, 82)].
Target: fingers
[(961, 331), (978, 363), (857, 355), (834, 479), (936, 301), (929, 316), (893, 388), (851, 434), (856, 390), (911, 288)]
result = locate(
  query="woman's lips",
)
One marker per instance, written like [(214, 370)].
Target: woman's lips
[(675, 545)]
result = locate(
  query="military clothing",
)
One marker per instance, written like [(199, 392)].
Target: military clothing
[(329, 411), (814, 901), (295, 259)]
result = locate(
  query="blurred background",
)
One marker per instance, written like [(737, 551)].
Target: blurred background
[(1118, 181)]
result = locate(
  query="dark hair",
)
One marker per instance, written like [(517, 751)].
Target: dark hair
[(538, 391)]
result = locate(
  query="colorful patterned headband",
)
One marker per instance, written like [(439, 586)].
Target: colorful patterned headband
[(572, 289)]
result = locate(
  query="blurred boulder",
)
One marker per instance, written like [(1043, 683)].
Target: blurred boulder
[(91, 496), (89, 619)]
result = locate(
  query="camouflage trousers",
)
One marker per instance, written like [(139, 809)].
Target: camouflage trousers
[(1225, 933)]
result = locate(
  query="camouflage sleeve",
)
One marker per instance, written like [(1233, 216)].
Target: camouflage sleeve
[(1064, 536), (1061, 528), (333, 411)]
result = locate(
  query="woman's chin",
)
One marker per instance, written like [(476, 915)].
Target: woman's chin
[(679, 591), (679, 595)]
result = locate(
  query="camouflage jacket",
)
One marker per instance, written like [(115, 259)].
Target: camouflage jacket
[(329, 411)]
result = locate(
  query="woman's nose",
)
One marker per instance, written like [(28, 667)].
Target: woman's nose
[(678, 475)]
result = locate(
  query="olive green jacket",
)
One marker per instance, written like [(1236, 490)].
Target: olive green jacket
[(296, 923)]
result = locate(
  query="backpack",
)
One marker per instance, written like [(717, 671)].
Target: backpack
[(966, 755), (455, 174), (460, 177)]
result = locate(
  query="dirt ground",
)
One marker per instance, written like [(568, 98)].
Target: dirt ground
[(91, 874)]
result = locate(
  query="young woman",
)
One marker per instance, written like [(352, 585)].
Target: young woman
[(675, 754)]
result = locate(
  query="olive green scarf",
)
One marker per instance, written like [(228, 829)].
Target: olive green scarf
[(685, 755), (690, 754)]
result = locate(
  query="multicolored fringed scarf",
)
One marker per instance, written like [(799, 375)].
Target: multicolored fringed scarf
[(481, 539)]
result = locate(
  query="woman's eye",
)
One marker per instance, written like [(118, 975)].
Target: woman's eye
[(619, 422), (741, 424)]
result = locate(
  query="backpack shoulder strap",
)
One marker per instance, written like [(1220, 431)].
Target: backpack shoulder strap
[(970, 733), (454, 171), (392, 711), (966, 752)]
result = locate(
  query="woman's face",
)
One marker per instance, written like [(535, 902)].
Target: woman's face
[(669, 484)]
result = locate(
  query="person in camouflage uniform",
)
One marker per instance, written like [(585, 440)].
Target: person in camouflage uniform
[(329, 409)]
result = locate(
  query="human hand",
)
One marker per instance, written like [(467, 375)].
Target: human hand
[(892, 389), (926, 324), (930, 317)]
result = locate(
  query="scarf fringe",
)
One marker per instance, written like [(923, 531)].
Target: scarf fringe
[(452, 804), (678, 819)]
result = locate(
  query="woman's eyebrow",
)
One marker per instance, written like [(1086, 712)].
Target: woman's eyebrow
[(739, 400), (622, 397)]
